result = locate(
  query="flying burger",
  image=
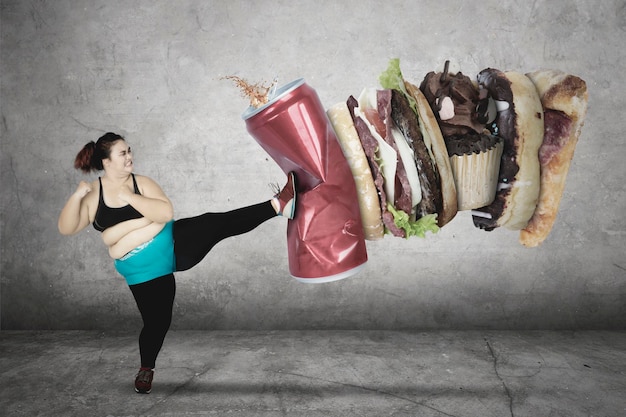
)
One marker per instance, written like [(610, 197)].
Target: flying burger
[(398, 158)]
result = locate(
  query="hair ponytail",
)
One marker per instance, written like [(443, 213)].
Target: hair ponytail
[(90, 157), (84, 158)]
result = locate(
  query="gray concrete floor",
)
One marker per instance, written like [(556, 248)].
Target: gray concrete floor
[(318, 373)]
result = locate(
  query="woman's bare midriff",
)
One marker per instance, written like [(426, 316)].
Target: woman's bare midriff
[(126, 236)]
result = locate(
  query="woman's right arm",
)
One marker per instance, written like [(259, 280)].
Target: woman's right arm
[(75, 214)]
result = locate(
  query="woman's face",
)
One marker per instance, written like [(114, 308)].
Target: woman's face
[(121, 158)]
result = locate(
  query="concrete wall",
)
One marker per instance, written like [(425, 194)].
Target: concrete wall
[(151, 70)]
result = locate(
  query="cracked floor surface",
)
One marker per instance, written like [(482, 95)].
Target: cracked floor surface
[(318, 373)]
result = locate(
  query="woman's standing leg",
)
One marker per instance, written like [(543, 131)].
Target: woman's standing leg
[(155, 300)]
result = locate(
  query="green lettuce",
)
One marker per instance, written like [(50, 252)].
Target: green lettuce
[(418, 228), (392, 79)]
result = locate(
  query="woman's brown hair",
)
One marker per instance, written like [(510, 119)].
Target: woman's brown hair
[(90, 157)]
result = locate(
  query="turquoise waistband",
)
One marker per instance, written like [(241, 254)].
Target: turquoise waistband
[(151, 260)]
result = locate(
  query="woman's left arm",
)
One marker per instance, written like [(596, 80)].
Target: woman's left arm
[(152, 202)]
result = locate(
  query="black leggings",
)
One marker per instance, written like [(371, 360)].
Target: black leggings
[(155, 299), (194, 237)]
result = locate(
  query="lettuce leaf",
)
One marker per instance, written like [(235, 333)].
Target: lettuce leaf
[(418, 228), (392, 79)]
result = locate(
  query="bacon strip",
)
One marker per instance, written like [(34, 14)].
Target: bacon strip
[(370, 145)]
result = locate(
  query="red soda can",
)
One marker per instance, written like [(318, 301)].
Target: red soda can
[(325, 239)]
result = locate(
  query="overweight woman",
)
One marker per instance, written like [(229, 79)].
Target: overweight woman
[(147, 245)]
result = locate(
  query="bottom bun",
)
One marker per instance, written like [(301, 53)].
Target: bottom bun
[(369, 203)]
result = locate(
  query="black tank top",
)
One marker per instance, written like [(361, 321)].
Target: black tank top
[(110, 216)]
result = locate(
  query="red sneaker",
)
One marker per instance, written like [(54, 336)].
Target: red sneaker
[(287, 198), (143, 381)]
